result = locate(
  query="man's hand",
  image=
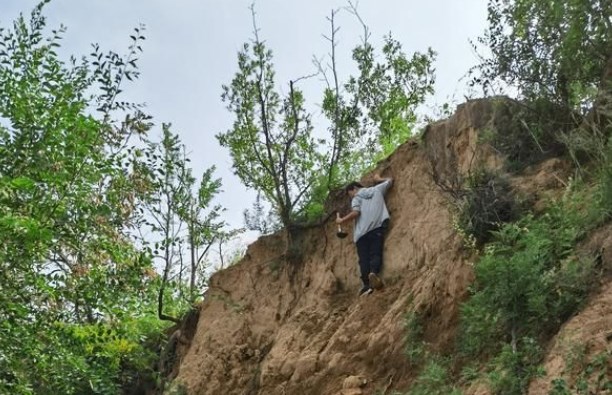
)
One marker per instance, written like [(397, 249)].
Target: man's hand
[(378, 178), (340, 220)]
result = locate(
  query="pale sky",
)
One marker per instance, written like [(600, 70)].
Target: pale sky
[(191, 47)]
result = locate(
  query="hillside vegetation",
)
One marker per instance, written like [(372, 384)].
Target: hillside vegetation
[(498, 257)]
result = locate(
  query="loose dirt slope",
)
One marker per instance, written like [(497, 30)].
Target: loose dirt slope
[(268, 327)]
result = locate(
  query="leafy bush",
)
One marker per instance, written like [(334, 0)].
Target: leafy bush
[(605, 182), (552, 49), (486, 204), (434, 380), (100, 358), (592, 379), (528, 282), (528, 132), (513, 368), (414, 348), (115, 356)]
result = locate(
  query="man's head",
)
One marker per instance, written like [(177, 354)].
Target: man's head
[(352, 188)]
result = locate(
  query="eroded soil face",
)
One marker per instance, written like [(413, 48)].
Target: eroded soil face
[(270, 327)]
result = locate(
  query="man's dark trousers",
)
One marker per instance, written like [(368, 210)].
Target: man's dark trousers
[(370, 251)]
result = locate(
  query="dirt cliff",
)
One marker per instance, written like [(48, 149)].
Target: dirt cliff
[(269, 327)]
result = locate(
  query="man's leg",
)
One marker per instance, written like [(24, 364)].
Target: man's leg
[(376, 240), (363, 252)]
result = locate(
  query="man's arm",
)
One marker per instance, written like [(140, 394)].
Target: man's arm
[(384, 183), (348, 217)]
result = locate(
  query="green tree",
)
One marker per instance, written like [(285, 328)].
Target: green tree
[(260, 218), (552, 49), (374, 112), (75, 292), (271, 139), (183, 224)]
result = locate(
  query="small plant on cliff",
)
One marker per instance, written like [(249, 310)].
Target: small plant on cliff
[(434, 379), (414, 348), (594, 378), (529, 132), (605, 185), (484, 205), (183, 223), (514, 367)]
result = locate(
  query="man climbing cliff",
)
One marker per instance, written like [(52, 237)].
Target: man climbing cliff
[(371, 216)]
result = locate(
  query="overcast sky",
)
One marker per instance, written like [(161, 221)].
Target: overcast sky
[(191, 46)]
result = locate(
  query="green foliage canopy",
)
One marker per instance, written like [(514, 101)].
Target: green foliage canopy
[(528, 282), (181, 218), (271, 141), (551, 49), (77, 284)]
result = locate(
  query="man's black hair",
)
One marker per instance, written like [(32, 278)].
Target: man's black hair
[(351, 186)]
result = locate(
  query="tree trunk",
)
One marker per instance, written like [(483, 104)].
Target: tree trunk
[(194, 260)]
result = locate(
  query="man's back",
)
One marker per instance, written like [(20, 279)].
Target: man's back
[(370, 202)]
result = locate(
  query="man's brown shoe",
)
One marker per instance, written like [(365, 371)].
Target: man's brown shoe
[(375, 281)]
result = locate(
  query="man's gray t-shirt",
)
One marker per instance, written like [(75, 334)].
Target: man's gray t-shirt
[(370, 202)]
